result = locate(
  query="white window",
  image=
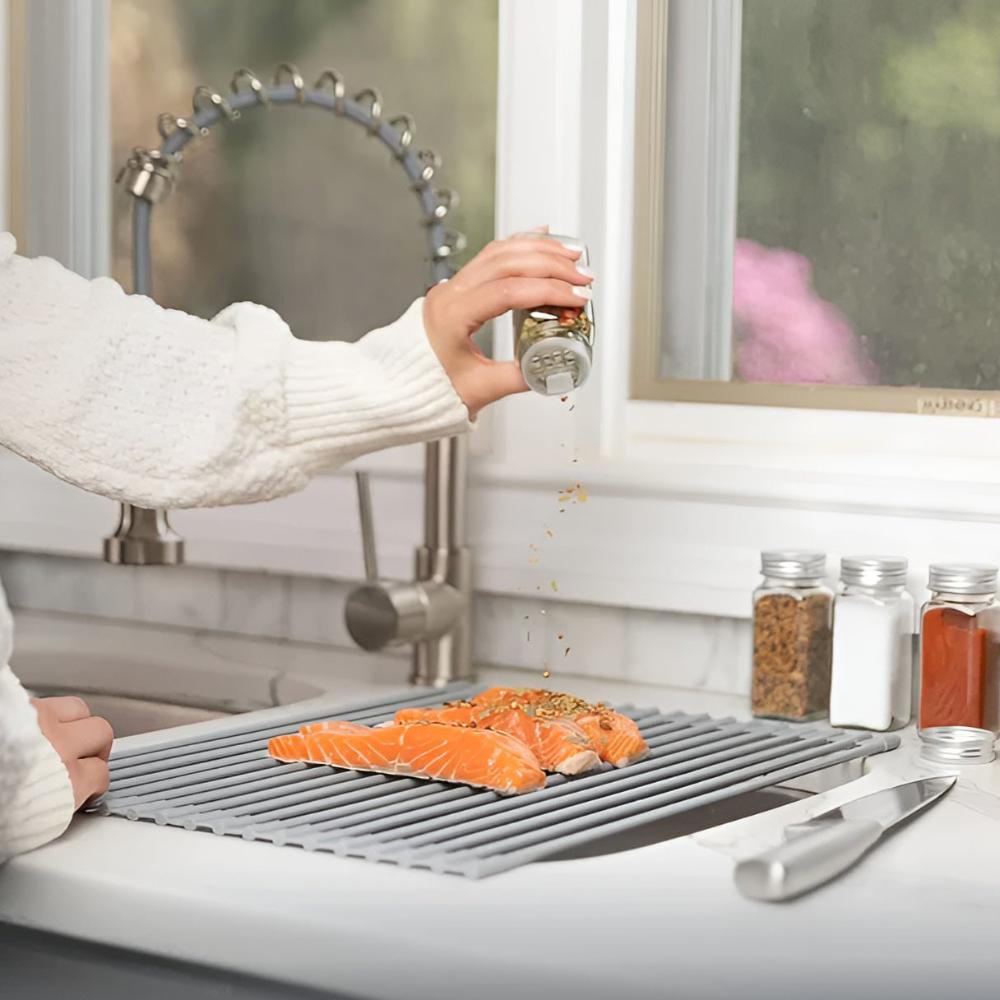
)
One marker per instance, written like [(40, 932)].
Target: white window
[(604, 130), (818, 231)]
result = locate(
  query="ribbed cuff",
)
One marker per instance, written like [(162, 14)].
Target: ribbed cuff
[(36, 797), (42, 807), (393, 391)]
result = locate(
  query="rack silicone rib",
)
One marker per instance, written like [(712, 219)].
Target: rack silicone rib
[(217, 777)]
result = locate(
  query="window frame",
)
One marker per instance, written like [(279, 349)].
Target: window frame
[(700, 191), (684, 493)]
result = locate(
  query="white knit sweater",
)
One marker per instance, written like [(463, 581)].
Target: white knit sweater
[(152, 406)]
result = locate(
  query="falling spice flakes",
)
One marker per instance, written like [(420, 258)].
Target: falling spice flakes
[(561, 636), (549, 533), (573, 494), (566, 651), (546, 674), (554, 585), (562, 399)]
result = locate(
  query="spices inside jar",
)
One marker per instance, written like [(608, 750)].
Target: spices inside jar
[(792, 648), (959, 661), (872, 647)]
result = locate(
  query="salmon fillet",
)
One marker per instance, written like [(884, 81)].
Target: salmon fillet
[(560, 745), (614, 737), (480, 757)]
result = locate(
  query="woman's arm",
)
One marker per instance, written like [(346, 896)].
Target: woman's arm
[(121, 397)]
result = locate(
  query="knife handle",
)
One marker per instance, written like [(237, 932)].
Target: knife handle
[(807, 860)]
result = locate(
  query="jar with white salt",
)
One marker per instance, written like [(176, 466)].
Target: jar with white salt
[(872, 644)]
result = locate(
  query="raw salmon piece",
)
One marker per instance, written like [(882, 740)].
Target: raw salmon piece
[(615, 737), (453, 715), (479, 757), (559, 744)]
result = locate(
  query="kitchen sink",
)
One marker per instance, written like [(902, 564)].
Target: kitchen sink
[(130, 715), (143, 681), (719, 813)]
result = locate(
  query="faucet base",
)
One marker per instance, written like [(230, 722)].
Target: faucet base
[(144, 538), (440, 661)]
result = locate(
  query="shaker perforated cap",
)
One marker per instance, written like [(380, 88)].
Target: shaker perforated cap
[(962, 578), (874, 571), (793, 565), (556, 365)]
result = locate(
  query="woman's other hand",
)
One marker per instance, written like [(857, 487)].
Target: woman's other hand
[(82, 740), (522, 272)]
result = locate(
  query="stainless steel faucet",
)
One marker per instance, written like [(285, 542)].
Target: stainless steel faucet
[(434, 610)]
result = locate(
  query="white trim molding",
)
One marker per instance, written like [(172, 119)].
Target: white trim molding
[(66, 211)]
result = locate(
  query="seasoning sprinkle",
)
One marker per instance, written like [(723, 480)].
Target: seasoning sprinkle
[(568, 648), (546, 674), (553, 585)]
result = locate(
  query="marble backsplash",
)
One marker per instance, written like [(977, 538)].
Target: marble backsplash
[(639, 645)]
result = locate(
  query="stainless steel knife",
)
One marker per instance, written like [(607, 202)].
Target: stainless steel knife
[(827, 845)]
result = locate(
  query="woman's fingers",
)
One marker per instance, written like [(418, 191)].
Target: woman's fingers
[(472, 273), (485, 382), (65, 709), (525, 264), (86, 738), (497, 297), (89, 778)]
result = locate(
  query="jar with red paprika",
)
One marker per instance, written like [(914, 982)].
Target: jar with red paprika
[(960, 662)]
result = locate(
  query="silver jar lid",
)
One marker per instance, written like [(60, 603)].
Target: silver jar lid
[(958, 745), (793, 565), (874, 571), (962, 578)]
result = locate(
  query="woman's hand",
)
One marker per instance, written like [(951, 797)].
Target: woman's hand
[(82, 740), (521, 272)]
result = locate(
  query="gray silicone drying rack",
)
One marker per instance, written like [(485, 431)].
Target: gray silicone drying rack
[(217, 777)]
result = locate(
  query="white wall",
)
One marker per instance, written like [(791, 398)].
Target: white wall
[(641, 645)]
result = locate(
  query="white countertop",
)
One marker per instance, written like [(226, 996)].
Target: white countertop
[(916, 918)]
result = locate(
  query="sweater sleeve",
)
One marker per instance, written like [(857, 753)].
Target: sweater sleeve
[(36, 798), (121, 397)]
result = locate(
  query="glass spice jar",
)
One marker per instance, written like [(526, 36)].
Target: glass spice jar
[(959, 662), (872, 644), (554, 345), (792, 637)]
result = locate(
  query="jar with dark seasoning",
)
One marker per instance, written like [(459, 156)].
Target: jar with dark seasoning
[(792, 637)]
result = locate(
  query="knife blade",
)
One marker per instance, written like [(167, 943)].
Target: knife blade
[(828, 844)]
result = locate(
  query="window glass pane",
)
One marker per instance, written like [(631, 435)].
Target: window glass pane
[(295, 208), (868, 224)]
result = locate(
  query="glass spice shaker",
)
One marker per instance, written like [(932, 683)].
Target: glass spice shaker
[(872, 644), (792, 637), (959, 718), (554, 345)]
